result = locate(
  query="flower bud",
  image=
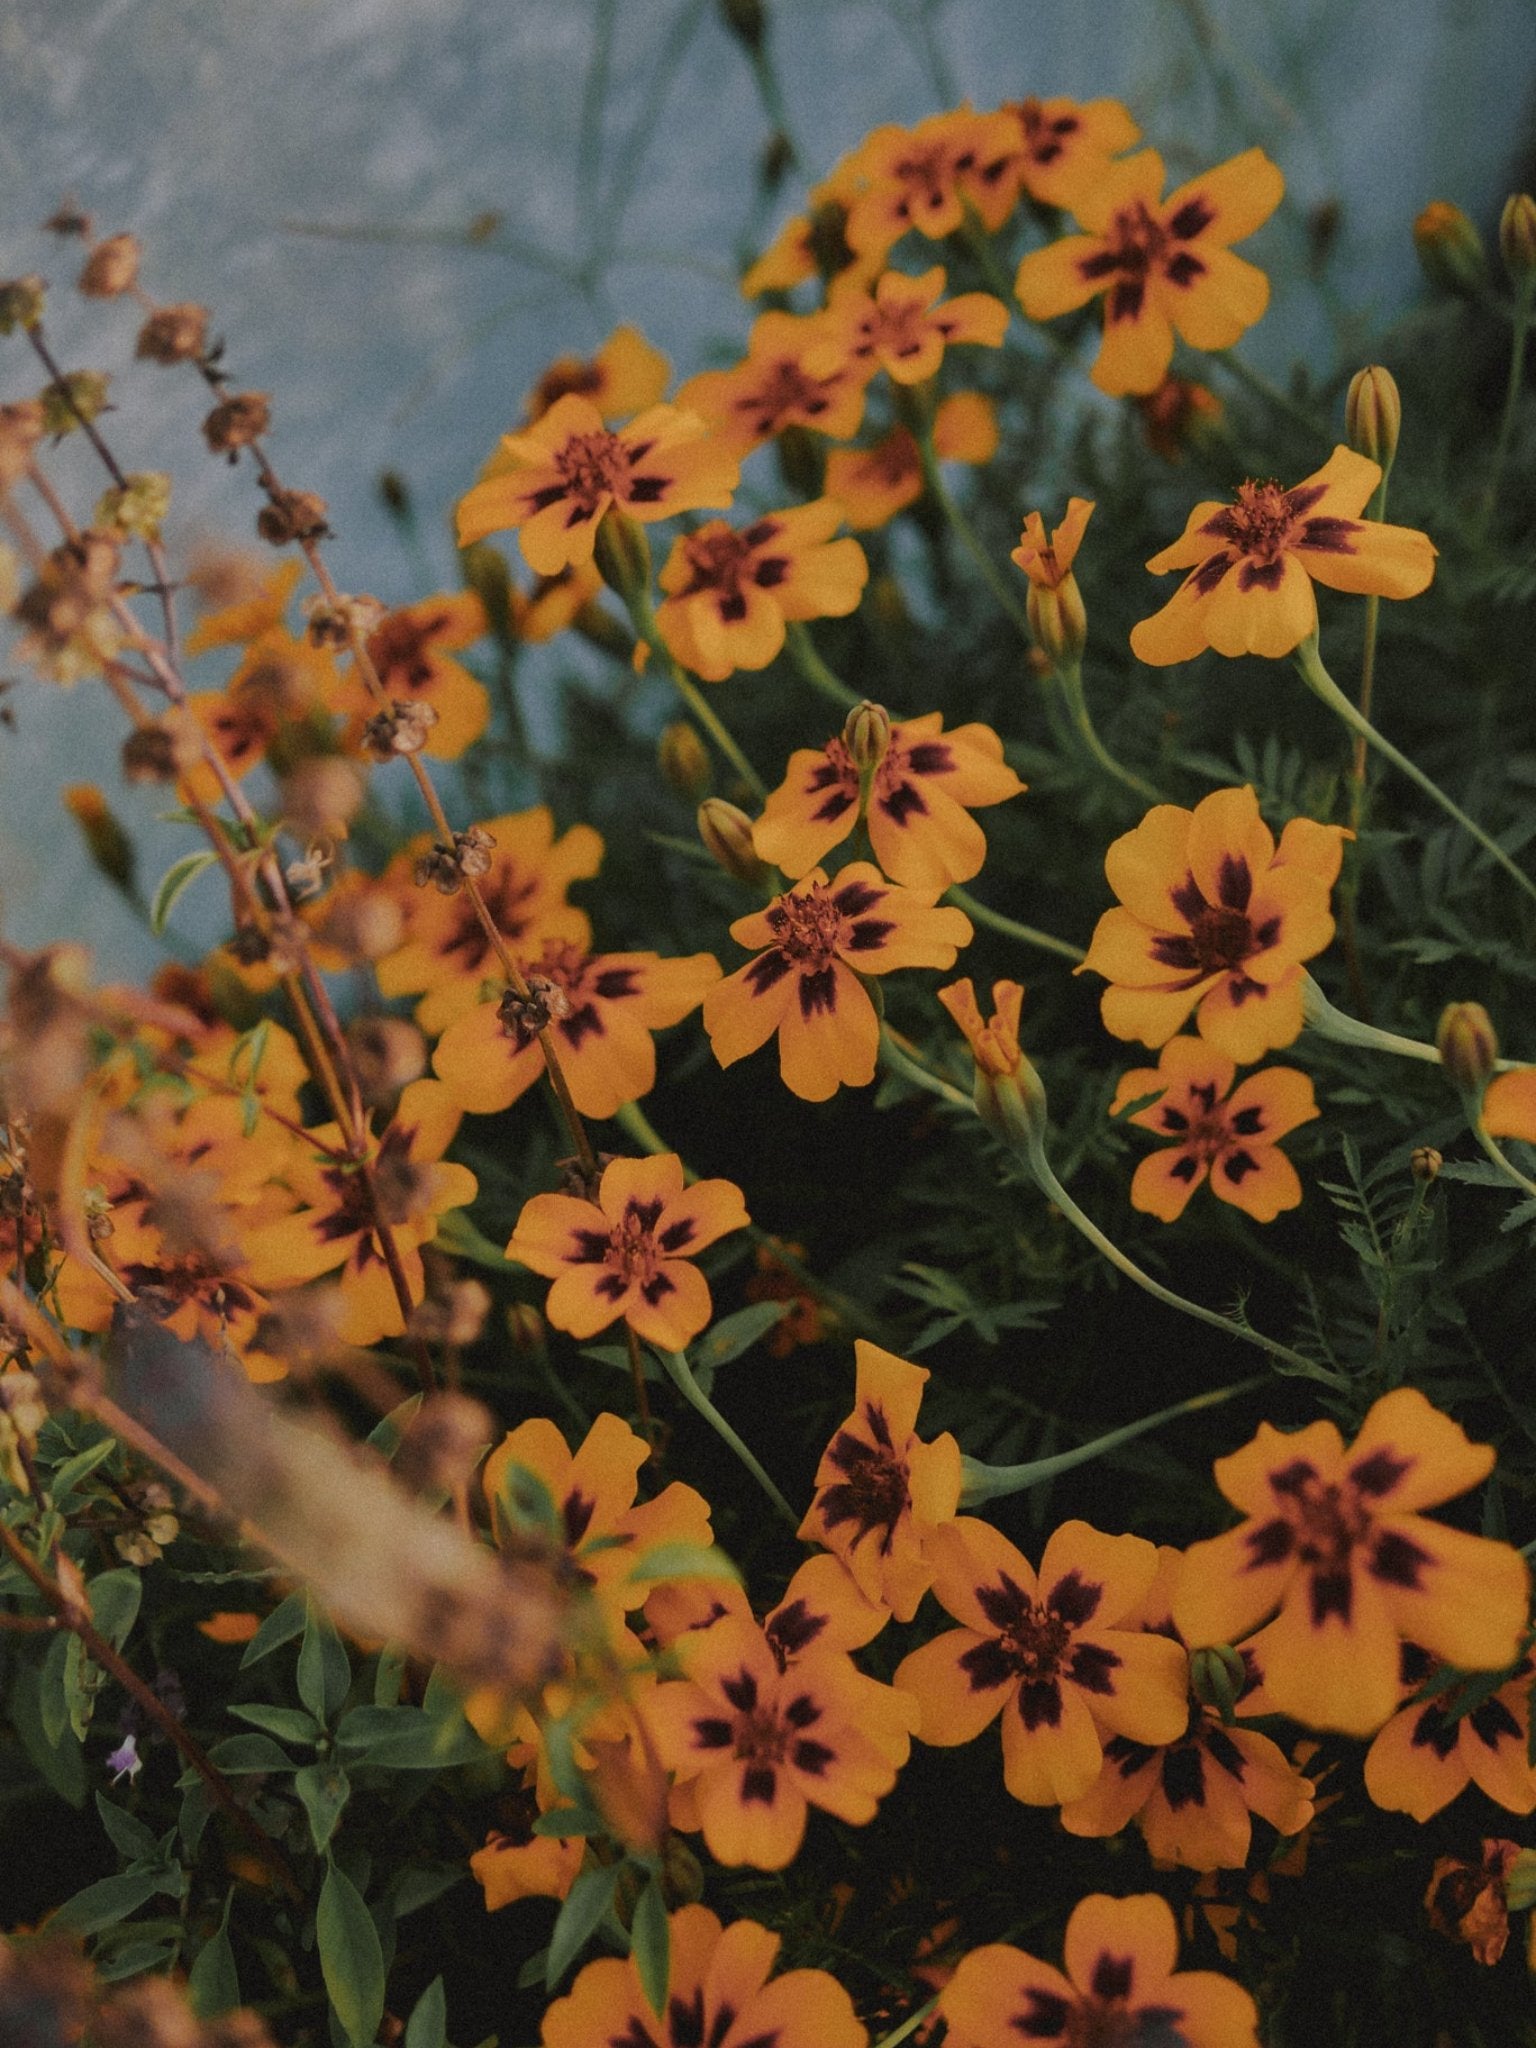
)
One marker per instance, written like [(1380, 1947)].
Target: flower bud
[(75, 399), (110, 848), (1520, 1882), (485, 572), (1373, 415), (1450, 248), (21, 303), (1424, 1163), (137, 507), (867, 735), (1008, 1093), (173, 334), (1217, 1675), (291, 516), (1058, 619), (237, 421), (802, 460), (727, 835), (112, 268), (525, 1328), (684, 760), (1468, 1046), (1517, 239), (623, 555)]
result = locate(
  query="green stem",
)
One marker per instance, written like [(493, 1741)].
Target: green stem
[(901, 1062), (1025, 933), (681, 1374), (1321, 1017), (1522, 325), (909, 2025), (1377, 510), (802, 652), (1071, 680), (982, 1482), (644, 621), (1309, 665), (1507, 1167), (1262, 387), (966, 534)]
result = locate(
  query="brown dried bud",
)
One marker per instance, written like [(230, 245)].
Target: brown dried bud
[(403, 729), (322, 795), (68, 219), (158, 752), (683, 760), (445, 1437), (21, 428), (473, 849), (524, 1017), (21, 303), (137, 507), (1468, 1046), (867, 735), (1373, 414), (387, 1054), (333, 625), (237, 421), (727, 835), (1424, 1163), (77, 397), (440, 868), (173, 334), (1517, 238), (112, 268), (290, 515)]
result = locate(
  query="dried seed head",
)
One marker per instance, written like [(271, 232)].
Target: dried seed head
[(237, 421), (21, 428), (403, 729), (173, 334), (112, 268), (473, 849), (137, 507), (21, 303), (438, 868), (333, 624), (75, 399), (290, 515), (524, 1017), (387, 1054), (67, 219)]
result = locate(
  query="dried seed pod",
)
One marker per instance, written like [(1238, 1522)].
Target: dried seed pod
[(237, 421), (173, 334), (112, 268)]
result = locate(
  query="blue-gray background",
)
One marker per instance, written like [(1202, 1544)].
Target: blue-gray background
[(616, 140)]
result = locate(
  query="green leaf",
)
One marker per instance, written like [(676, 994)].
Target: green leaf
[(325, 1790), (387, 1434), (289, 1724), (406, 1739), (351, 1960), (134, 1959), (179, 876), (213, 1984), (457, 1235), (128, 1835), (280, 1626), (527, 1504), (616, 1356), (60, 1762), (585, 1904), (682, 1561), (115, 1598), (53, 1698), (415, 1887), (325, 1671), (241, 1755), (427, 2026), (112, 1899), (734, 1334), (650, 1944), (80, 1466)]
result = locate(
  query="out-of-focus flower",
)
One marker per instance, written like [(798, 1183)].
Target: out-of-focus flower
[(873, 484), (1470, 1901), (626, 376)]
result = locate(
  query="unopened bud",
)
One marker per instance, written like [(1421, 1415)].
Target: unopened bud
[(137, 507), (1424, 1163), (291, 516), (173, 334), (112, 268), (1217, 1675), (66, 220), (1058, 619), (727, 835), (1468, 1046), (110, 848), (1450, 248), (525, 1328), (74, 400), (237, 421), (623, 555), (1517, 238), (867, 735), (1520, 1882), (684, 760), (21, 303), (1373, 415)]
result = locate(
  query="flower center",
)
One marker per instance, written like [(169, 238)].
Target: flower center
[(1036, 1641), (1135, 241), (1095, 2024), (1329, 1519), (1261, 522), (717, 561), (785, 390), (808, 929), (593, 465), (632, 1245), (1223, 938), (761, 1738)]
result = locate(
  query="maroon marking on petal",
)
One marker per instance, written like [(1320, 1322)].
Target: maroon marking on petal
[(615, 982), (1125, 300), (1183, 1775), (1414, 1665), (1247, 1123), (645, 1215), (1493, 1723), (1301, 498), (878, 1427), (811, 1757), (793, 1629), (710, 1732), (1091, 1666), (1127, 1757), (1040, 1704), (760, 533), (1192, 219), (869, 935), (1261, 575), (579, 516), (766, 970), (1044, 2018), (1184, 1168), (818, 993), (685, 2020), (1329, 536), (1330, 1593), (770, 572), (930, 757), (1179, 952), (1183, 268), (732, 607), (1102, 263), (575, 1515), (1113, 1976), (1293, 1478), (657, 1288), (646, 490), (1227, 525), (1188, 899), (802, 1711), (759, 1785), (635, 2035), (582, 1023), (1006, 1605), (1269, 1543), (1220, 1747), (1433, 1731), (1075, 1598), (1238, 1165), (1234, 882), (828, 774), (1210, 572), (903, 802), (854, 898), (612, 1287), (588, 1248), (542, 499), (1173, 1119), (1398, 1561), (676, 1235), (834, 807), (987, 1666), (1379, 1473), (741, 1690)]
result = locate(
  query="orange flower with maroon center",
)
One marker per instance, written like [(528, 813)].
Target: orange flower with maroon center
[(1431, 1750), (1227, 1135), (772, 388), (1067, 143), (904, 327), (922, 177)]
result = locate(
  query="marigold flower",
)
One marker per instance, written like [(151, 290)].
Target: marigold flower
[(1220, 1133), (1193, 1798), (412, 655), (1470, 1901), (873, 484), (994, 1044), (731, 589), (1067, 144), (1163, 264), (626, 376), (718, 1992), (904, 326), (1174, 416), (1048, 563), (628, 1253), (250, 613), (446, 952), (1120, 1986), (515, 1862), (1213, 914), (1253, 564), (771, 388), (601, 1010), (554, 481), (804, 1321), (1431, 1750), (922, 177), (820, 937), (555, 602), (755, 1744), (1509, 1105), (1051, 1653), (1334, 1539), (880, 1489), (920, 801)]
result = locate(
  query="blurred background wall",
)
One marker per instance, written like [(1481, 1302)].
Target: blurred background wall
[(398, 210)]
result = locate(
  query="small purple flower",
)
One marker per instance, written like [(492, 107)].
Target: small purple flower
[(125, 1761)]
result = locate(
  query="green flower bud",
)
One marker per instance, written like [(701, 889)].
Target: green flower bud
[(684, 760), (1373, 415), (1450, 248), (21, 303), (137, 507), (1217, 1675), (1468, 1046), (727, 834), (1517, 239), (623, 555)]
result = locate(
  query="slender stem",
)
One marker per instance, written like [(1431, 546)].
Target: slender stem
[(1007, 598), (681, 1374), (707, 716), (1310, 667), (900, 1061), (1026, 934), (1321, 1016), (910, 2024), (1263, 387), (1506, 1166), (1522, 326), (983, 1482), (802, 652), (642, 1398), (1071, 680)]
